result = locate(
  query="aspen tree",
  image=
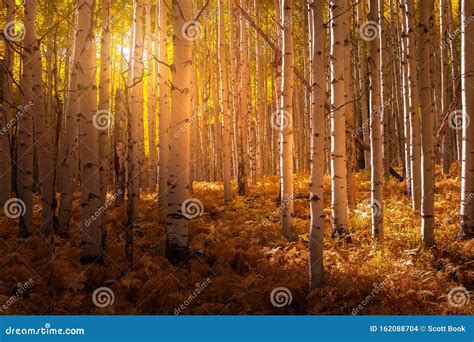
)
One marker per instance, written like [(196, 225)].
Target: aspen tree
[(338, 122), (226, 123), (177, 230), (152, 164), (427, 116), (243, 122), (364, 99), (69, 154), (444, 37), (134, 128), (286, 120), (6, 111), (376, 110), (349, 107), (467, 96), (415, 149), (316, 233), (25, 134), (104, 107), (120, 146), (91, 243), (406, 100), (163, 110)]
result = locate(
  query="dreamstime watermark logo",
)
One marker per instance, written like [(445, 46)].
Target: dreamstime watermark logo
[(108, 202), (192, 208), (46, 330), (191, 30), (452, 36), (187, 123), (280, 119), (377, 288), (376, 207), (199, 289), (102, 297), (19, 292), (280, 297), (376, 112), (283, 205), (14, 208), (458, 297), (457, 119), (102, 120), (369, 31), (21, 110), (14, 31)]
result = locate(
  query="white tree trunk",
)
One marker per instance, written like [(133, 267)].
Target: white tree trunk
[(163, 112), (427, 117), (316, 233), (286, 121), (177, 234), (91, 244), (338, 122), (226, 122), (467, 95)]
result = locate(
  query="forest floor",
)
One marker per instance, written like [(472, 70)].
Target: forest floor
[(242, 257)]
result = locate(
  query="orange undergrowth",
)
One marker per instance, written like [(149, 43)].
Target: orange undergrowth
[(245, 258)]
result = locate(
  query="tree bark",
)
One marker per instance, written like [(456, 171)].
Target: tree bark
[(338, 122), (467, 96), (318, 77), (177, 233), (427, 116)]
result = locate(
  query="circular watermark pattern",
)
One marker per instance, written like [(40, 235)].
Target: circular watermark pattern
[(280, 297), (457, 118), (14, 31), (280, 119), (191, 30), (376, 207), (192, 208), (102, 120), (14, 208), (102, 297), (458, 297), (369, 31)]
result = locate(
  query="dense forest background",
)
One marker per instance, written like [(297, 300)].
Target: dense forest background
[(237, 157)]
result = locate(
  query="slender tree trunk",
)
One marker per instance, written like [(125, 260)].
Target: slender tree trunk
[(444, 37), (8, 109), (427, 117), (68, 154), (376, 113), (177, 234), (316, 234), (152, 164), (120, 146), (25, 134), (406, 103), (243, 121), (164, 114), (226, 120), (364, 101), (349, 107), (467, 95), (134, 128), (286, 121), (415, 150), (338, 122), (104, 109), (91, 244)]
